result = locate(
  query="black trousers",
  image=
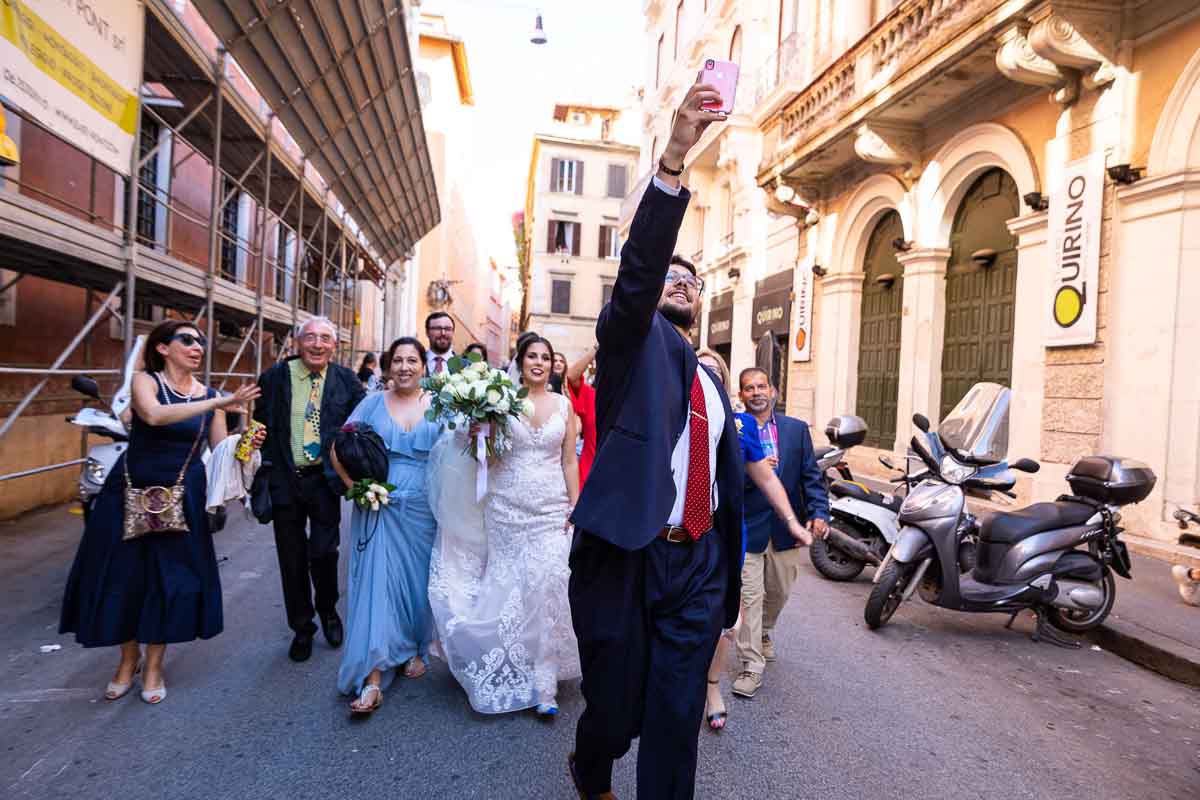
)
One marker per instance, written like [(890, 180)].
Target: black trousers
[(647, 622), (308, 559)]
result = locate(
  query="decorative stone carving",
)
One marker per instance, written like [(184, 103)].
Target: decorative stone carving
[(1017, 61), (1056, 39), (888, 143)]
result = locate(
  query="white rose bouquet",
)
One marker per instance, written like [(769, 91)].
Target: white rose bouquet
[(469, 391)]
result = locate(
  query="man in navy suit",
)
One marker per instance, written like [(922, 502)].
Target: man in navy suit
[(772, 558), (654, 563)]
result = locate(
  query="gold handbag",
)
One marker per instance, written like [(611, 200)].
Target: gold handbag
[(156, 509)]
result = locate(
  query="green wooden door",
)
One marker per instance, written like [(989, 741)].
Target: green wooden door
[(981, 287), (879, 334)]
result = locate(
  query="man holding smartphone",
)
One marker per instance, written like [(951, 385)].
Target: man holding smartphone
[(658, 542)]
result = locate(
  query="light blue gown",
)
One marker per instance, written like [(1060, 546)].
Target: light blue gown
[(389, 619)]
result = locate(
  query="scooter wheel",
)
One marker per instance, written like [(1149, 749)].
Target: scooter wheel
[(833, 563), (886, 595), (1084, 621)]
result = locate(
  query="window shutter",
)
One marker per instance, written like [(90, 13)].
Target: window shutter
[(551, 235), (602, 250), (578, 179), (616, 180), (555, 176), (577, 230)]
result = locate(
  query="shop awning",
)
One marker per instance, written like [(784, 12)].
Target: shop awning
[(339, 76)]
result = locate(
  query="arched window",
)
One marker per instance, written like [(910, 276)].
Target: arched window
[(735, 46)]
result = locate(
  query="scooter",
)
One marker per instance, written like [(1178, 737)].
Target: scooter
[(102, 457), (863, 524), (1057, 558)]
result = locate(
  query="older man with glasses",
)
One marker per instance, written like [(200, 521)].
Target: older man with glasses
[(305, 401)]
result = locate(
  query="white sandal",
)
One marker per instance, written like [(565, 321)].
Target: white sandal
[(115, 691), (155, 696), (362, 709)]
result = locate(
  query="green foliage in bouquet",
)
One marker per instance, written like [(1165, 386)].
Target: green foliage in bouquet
[(469, 391)]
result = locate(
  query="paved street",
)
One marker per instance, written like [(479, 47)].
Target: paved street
[(935, 704)]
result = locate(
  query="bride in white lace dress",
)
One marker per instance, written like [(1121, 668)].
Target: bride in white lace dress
[(498, 576)]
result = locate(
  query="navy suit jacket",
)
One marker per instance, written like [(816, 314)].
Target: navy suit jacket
[(644, 375), (801, 478), (342, 392)]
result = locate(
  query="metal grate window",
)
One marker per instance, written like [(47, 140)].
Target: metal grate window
[(148, 178), (229, 230), (560, 296)]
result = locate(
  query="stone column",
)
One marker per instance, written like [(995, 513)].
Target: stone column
[(1029, 352), (922, 334), (835, 343)]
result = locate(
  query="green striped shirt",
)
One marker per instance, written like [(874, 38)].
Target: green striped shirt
[(301, 388)]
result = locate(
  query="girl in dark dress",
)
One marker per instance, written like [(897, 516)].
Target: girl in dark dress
[(160, 588)]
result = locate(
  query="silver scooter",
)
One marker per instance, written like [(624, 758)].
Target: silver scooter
[(1057, 558)]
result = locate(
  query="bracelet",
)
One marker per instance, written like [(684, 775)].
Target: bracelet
[(674, 173)]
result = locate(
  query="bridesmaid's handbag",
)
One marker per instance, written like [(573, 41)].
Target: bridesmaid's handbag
[(156, 509)]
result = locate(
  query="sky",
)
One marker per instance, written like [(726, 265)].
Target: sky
[(594, 52)]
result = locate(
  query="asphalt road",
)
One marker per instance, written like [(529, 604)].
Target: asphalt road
[(935, 705)]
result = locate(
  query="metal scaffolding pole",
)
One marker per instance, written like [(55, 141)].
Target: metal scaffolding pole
[(262, 255), (383, 342), (63, 356), (354, 311), (214, 220), (341, 302), (131, 242), (324, 250), (299, 264)]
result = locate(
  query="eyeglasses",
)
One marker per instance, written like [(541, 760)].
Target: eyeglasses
[(189, 340), (686, 278), (441, 329), (323, 338)]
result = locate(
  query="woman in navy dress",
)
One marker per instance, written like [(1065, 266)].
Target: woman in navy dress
[(390, 625), (161, 588)]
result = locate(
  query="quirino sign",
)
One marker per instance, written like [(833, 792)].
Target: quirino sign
[(1076, 207)]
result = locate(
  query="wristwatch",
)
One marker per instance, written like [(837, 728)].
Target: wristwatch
[(674, 173)]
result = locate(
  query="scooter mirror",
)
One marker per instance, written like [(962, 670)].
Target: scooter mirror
[(86, 384), (922, 422), (1181, 515), (887, 462), (1025, 465)]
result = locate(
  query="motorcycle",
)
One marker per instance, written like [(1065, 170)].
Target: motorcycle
[(102, 457), (1057, 559)]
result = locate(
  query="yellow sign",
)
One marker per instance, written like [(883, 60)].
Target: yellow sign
[(76, 68)]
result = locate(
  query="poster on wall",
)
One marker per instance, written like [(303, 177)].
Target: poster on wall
[(802, 315), (1076, 206), (76, 68)]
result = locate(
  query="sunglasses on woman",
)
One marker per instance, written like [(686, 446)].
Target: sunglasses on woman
[(189, 339)]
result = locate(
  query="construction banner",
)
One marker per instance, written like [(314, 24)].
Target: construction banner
[(75, 66)]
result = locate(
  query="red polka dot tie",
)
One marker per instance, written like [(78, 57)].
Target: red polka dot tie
[(697, 504)]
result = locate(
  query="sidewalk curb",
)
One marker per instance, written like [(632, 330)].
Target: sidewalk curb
[(1161, 654)]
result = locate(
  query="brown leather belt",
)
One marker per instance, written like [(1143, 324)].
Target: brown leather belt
[(675, 535)]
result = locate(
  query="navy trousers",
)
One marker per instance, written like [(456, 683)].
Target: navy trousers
[(647, 622)]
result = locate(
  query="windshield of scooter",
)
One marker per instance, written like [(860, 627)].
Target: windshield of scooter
[(977, 429)]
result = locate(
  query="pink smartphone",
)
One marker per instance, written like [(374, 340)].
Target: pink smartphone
[(724, 76)]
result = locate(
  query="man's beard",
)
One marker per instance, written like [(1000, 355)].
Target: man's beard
[(681, 316)]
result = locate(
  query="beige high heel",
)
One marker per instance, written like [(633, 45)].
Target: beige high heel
[(115, 691), (155, 696)]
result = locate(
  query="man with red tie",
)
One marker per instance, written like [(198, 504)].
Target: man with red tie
[(658, 541), (439, 330)]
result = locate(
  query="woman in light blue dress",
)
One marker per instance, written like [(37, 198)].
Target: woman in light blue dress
[(390, 624)]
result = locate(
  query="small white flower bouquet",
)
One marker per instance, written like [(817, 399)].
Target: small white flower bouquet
[(370, 495), (469, 391)]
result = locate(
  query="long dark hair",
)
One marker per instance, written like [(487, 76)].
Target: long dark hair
[(529, 342), (404, 340), (152, 360)]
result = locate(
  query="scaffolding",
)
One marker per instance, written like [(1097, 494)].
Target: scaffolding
[(351, 193)]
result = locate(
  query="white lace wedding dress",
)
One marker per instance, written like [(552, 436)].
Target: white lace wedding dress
[(498, 576)]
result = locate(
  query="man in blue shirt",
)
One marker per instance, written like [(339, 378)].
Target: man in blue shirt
[(772, 559)]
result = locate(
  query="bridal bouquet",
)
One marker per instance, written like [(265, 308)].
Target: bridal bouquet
[(469, 392)]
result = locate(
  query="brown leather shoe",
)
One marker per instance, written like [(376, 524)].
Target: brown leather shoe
[(575, 782)]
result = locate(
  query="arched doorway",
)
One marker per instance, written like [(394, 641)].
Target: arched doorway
[(879, 333), (981, 282)]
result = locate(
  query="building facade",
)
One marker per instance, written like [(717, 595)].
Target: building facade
[(251, 212), (578, 176)]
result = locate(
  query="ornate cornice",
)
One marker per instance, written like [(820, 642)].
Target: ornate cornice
[(1017, 61), (1057, 39)]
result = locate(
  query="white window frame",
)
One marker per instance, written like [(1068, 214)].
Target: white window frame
[(564, 181)]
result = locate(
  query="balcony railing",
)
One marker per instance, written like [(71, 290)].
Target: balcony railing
[(791, 63)]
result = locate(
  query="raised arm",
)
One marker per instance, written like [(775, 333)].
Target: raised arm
[(575, 371), (652, 235)]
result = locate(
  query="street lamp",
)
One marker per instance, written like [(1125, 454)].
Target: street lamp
[(539, 34)]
